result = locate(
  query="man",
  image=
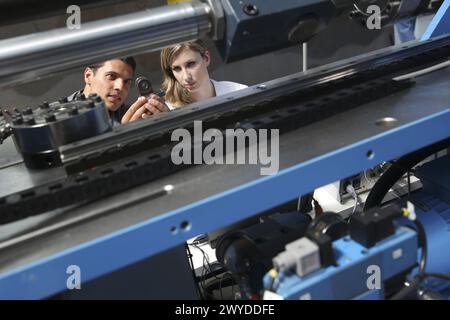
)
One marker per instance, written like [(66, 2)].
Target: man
[(111, 80)]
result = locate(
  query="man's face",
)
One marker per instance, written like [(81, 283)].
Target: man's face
[(112, 82)]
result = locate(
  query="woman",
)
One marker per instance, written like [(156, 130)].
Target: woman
[(186, 80), (186, 77)]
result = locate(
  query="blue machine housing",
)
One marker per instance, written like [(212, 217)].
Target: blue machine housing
[(433, 210), (348, 280)]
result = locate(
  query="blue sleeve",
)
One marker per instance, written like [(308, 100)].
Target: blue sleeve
[(405, 29)]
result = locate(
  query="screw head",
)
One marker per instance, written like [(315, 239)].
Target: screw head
[(251, 10), (44, 105), (17, 121), (27, 111), (73, 111), (30, 121), (50, 118)]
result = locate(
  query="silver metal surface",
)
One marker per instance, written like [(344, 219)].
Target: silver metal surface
[(217, 18), (429, 96), (9, 155), (41, 136), (28, 57)]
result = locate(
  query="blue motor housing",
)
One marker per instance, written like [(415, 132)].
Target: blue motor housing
[(396, 256), (433, 210)]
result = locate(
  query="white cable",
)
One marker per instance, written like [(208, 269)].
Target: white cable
[(305, 56), (412, 211), (349, 188), (365, 176), (423, 71)]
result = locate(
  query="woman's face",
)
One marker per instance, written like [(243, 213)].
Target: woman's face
[(190, 69)]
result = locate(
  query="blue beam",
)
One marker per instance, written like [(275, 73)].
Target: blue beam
[(440, 24)]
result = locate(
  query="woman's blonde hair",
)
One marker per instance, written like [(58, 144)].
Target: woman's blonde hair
[(176, 94)]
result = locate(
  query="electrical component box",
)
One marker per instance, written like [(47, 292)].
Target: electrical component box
[(301, 254)]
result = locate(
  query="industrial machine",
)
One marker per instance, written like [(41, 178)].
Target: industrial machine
[(105, 200), (378, 242)]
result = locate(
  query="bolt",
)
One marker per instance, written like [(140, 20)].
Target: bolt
[(92, 95), (251, 10), (30, 121), (73, 111), (50, 118), (17, 121), (27, 110), (44, 105)]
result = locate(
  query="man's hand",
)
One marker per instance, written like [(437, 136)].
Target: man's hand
[(136, 110), (145, 107)]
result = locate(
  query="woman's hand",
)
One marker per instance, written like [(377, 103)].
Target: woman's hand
[(156, 105)]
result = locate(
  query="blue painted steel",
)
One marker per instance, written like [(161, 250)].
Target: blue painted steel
[(433, 210), (129, 245), (436, 223), (349, 280), (435, 177), (440, 24)]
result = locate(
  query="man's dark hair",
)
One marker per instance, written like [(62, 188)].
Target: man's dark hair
[(128, 60)]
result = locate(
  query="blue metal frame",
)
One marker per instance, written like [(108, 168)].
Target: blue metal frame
[(117, 250), (440, 24)]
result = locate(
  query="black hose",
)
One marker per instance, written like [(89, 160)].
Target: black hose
[(218, 284), (385, 183), (407, 291), (437, 275), (397, 170), (423, 243)]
